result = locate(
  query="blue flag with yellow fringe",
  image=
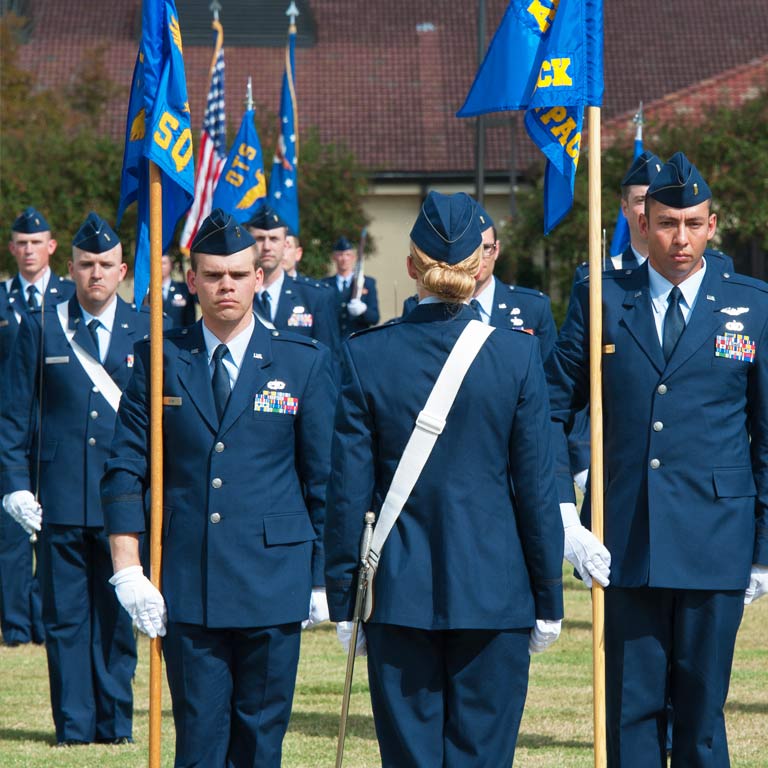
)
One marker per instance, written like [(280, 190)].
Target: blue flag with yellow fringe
[(158, 129), (283, 195), (242, 186), (545, 58)]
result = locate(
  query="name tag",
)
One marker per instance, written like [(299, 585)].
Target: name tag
[(57, 360), (3, 323), (609, 349), (171, 401)]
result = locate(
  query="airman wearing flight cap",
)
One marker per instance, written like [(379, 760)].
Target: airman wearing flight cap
[(247, 415), (686, 500), (469, 579), (32, 246), (354, 312), (70, 363)]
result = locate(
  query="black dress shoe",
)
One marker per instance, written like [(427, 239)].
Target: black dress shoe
[(117, 741), (72, 743)]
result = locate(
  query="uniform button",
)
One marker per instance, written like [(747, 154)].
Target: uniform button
[(215, 517), (219, 447), (91, 441), (655, 463), (662, 389), (94, 414), (658, 426), (95, 390), (216, 482)]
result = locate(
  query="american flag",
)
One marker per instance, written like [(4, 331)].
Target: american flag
[(213, 153)]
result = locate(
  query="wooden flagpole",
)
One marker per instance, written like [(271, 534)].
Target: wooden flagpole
[(596, 428), (156, 444)]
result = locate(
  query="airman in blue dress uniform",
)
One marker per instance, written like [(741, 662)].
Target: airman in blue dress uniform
[(686, 472), (247, 427), (469, 579), (178, 304), (32, 247), (86, 349), (352, 314)]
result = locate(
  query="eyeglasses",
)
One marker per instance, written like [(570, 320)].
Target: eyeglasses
[(489, 248)]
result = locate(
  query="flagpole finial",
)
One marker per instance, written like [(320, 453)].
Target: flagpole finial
[(292, 13), (249, 95), (638, 118), (215, 7)]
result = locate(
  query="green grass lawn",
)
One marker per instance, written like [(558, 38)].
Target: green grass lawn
[(556, 729)]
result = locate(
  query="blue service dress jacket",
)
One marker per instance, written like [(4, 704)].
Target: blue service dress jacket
[(685, 441), (467, 551), (78, 422), (244, 499), (179, 305)]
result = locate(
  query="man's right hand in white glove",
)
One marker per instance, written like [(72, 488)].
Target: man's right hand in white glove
[(344, 633), (140, 598), (356, 307), (24, 509), (583, 550)]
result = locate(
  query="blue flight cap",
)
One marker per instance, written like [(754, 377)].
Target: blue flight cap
[(267, 219), (95, 235), (447, 228), (342, 244), (643, 170), (29, 222), (486, 222), (679, 184), (221, 235)]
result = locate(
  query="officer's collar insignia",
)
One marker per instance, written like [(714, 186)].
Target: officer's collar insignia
[(195, 351), (258, 356), (288, 292), (502, 306), (276, 384), (54, 290), (123, 325), (734, 311), (710, 297)]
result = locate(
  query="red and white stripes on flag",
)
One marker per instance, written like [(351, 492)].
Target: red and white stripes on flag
[(213, 153)]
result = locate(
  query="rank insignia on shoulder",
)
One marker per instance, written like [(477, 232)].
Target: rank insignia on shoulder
[(129, 361), (276, 402), (734, 346), (734, 311), (276, 384)]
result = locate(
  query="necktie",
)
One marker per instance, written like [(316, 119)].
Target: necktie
[(32, 297), (674, 324), (475, 305), (266, 305), (220, 381), (93, 326)]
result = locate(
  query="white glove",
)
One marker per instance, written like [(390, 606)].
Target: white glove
[(758, 584), (543, 634), (138, 595), (580, 478), (24, 509), (583, 550), (356, 307), (344, 633), (318, 609)]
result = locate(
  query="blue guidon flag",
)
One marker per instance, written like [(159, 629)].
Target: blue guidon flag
[(158, 129), (546, 58)]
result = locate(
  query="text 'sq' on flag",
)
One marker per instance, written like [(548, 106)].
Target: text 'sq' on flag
[(212, 153), (158, 129), (242, 186), (545, 58), (283, 195)]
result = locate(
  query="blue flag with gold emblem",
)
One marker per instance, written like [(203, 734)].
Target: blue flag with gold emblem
[(546, 58), (158, 129), (242, 186), (283, 195), (621, 236)]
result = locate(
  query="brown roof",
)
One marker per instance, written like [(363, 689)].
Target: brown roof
[(385, 78)]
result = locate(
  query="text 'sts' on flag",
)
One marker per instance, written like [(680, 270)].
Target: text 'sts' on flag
[(242, 187), (546, 58), (212, 153), (158, 129), (283, 195)]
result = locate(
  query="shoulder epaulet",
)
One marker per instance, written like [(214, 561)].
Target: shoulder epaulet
[(296, 338), (373, 328), (739, 279), (527, 291)]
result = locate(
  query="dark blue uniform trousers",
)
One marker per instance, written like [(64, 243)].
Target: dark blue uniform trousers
[(676, 644), (231, 691), (450, 698), (20, 606), (88, 636)]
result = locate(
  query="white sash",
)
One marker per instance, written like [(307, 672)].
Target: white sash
[(95, 370)]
